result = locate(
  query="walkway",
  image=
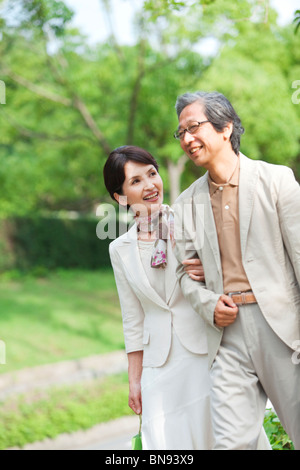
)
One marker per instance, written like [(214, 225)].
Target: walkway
[(112, 435)]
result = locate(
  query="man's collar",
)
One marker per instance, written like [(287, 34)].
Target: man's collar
[(233, 181)]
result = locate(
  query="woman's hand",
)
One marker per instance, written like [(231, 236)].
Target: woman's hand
[(194, 268), (135, 368), (135, 398)]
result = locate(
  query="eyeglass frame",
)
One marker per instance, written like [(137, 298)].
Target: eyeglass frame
[(177, 136)]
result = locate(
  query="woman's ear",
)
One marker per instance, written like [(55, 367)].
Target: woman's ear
[(122, 200)]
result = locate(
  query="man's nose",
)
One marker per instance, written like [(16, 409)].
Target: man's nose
[(187, 138)]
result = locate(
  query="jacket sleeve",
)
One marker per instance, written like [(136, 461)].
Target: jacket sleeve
[(201, 299), (132, 311), (288, 206)]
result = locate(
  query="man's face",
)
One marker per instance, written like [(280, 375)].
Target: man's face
[(206, 144)]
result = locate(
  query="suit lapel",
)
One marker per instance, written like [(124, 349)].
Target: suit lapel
[(248, 181), (203, 209), (203, 214), (133, 264), (170, 274)]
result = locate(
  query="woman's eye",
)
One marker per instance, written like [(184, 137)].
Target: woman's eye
[(135, 181)]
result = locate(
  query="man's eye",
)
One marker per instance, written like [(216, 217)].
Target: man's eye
[(193, 129)]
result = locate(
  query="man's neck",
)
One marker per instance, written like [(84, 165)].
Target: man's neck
[(222, 169)]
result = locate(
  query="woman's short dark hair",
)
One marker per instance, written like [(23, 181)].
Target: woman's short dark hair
[(114, 172), (218, 110)]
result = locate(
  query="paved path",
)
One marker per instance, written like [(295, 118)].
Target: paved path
[(62, 373), (114, 435)]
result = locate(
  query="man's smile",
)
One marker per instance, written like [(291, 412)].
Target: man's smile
[(195, 149)]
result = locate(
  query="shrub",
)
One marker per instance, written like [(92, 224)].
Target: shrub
[(45, 242)]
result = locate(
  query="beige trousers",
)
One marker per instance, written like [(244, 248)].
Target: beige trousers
[(253, 364)]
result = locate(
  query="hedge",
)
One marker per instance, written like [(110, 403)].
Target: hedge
[(50, 243)]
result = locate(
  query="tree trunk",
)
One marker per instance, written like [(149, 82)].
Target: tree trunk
[(175, 171)]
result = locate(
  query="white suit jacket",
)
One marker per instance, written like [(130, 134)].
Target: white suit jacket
[(147, 318), (269, 212)]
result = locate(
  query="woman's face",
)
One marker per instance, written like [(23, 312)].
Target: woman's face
[(142, 188)]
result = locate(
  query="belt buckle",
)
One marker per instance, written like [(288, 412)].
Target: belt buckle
[(242, 294)]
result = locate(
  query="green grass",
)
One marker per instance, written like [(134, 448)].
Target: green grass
[(46, 414), (277, 436), (65, 315)]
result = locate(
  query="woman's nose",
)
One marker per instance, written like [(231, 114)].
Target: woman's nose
[(149, 185)]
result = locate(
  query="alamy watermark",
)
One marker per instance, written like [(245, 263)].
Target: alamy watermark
[(188, 222), (2, 352), (296, 94), (2, 92)]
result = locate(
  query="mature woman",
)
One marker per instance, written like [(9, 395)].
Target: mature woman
[(164, 337)]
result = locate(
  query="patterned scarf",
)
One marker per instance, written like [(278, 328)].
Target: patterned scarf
[(162, 223)]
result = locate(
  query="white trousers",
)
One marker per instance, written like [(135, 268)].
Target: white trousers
[(251, 365)]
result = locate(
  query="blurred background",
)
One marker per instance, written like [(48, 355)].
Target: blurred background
[(77, 79)]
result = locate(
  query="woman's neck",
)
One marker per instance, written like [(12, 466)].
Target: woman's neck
[(147, 236), (148, 225)]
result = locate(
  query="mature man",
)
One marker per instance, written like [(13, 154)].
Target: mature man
[(242, 218)]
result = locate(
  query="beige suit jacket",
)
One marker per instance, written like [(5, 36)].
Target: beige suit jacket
[(147, 318), (269, 211)]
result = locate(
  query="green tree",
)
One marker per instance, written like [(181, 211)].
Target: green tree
[(255, 68), (297, 20), (70, 105), (252, 72)]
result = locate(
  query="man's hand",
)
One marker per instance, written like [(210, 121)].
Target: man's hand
[(225, 312)]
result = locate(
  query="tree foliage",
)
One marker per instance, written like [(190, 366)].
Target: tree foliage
[(297, 20), (68, 104), (257, 81)]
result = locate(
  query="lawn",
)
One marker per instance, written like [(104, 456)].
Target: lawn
[(67, 315), (64, 315)]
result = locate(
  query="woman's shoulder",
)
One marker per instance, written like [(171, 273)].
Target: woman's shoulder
[(126, 238)]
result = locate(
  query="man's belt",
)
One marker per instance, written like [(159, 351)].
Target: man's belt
[(243, 298)]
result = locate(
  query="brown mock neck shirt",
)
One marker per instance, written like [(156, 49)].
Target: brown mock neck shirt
[(225, 205)]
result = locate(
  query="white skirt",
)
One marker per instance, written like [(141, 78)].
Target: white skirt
[(176, 404)]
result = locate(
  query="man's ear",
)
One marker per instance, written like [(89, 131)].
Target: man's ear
[(122, 200), (227, 131)]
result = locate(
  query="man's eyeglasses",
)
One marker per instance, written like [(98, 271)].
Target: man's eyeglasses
[(191, 129)]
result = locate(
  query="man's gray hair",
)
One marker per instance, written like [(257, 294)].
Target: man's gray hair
[(218, 110)]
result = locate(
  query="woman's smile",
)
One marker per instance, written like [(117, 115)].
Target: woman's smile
[(142, 188), (153, 197)]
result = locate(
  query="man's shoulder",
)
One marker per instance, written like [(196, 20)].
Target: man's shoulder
[(192, 190), (267, 169), (267, 166)]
